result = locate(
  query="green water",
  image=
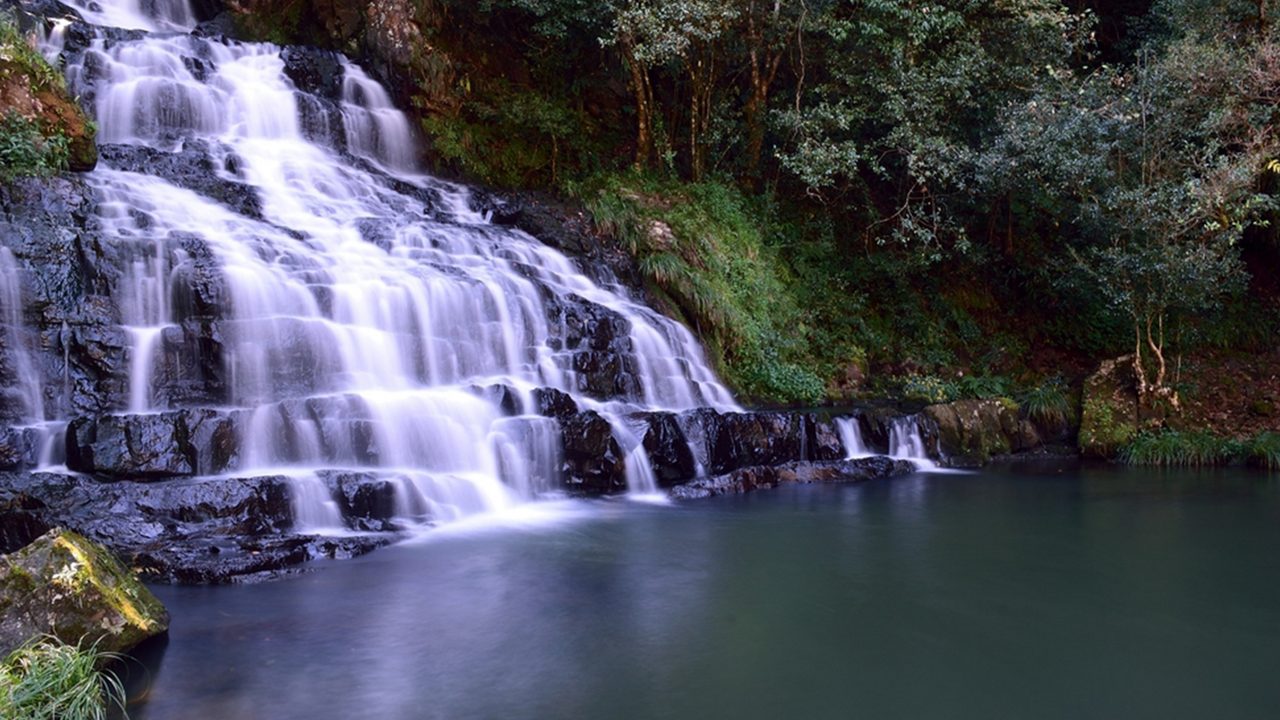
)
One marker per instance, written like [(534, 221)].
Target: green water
[(1022, 592)]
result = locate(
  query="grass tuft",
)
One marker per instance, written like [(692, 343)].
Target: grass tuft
[(1171, 448), (1264, 451), (50, 680), (1047, 403)]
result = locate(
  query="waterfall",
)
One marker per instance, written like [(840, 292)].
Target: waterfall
[(905, 442), (851, 437), (361, 304)]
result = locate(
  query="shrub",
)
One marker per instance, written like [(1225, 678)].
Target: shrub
[(25, 150), (50, 680), (927, 388), (982, 387)]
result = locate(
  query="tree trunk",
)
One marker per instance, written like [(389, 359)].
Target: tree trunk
[(643, 92)]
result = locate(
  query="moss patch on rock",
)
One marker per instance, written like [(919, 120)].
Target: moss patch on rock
[(971, 432), (1109, 414), (66, 586)]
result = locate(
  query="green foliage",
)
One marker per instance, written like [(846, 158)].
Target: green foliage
[(50, 680), (1172, 448), (983, 387), (25, 150), (703, 248), (1047, 403), (927, 389), (1264, 450), (19, 55)]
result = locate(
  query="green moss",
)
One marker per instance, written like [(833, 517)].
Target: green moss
[(1102, 431)]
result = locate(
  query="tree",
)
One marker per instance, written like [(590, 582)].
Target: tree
[(907, 95)]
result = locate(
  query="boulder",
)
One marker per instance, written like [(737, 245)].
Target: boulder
[(1109, 408), (971, 432), (593, 460), (64, 585), (667, 447)]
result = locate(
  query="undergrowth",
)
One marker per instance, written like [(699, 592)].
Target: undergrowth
[(50, 680), (1200, 448), (25, 148), (703, 249)]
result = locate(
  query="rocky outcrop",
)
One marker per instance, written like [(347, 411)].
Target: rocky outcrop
[(968, 433), (1109, 408), (727, 441), (64, 585), (211, 530), (764, 477), (154, 446)]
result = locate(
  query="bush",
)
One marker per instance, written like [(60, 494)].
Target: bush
[(50, 680), (982, 387), (927, 389), (25, 151)]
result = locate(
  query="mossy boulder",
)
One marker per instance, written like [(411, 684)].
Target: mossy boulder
[(66, 586), (971, 432), (1109, 409)]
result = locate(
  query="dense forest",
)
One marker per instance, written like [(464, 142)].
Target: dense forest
[(929, 200)]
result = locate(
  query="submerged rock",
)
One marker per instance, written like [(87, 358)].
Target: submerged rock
[(764, 477), (67, 586)]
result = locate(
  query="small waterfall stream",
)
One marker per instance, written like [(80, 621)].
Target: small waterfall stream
[(360, 303)]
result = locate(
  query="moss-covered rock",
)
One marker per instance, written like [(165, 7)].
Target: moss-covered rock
[(970, 432), (69, 587), (1109, 409)]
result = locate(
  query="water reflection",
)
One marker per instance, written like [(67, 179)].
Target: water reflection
[(1016, 594)]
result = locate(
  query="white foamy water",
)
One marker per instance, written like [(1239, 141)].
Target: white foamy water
[(367, 302)]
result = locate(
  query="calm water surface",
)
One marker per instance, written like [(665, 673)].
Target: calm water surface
[(1022, 592)]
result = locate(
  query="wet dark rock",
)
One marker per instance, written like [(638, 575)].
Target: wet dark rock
[(567, 227), (209, 530), (154, 446), (764, 477), (314, 71), (551, 402), (824, 440), (21, 521), (194, 167), (668, 448), (19, 448), (368, 502), (597, 341), (503, 396), (746, 439), (593, 461)]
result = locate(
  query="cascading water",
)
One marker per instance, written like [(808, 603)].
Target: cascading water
[(851, 437), (364, 306), (905, 442)]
